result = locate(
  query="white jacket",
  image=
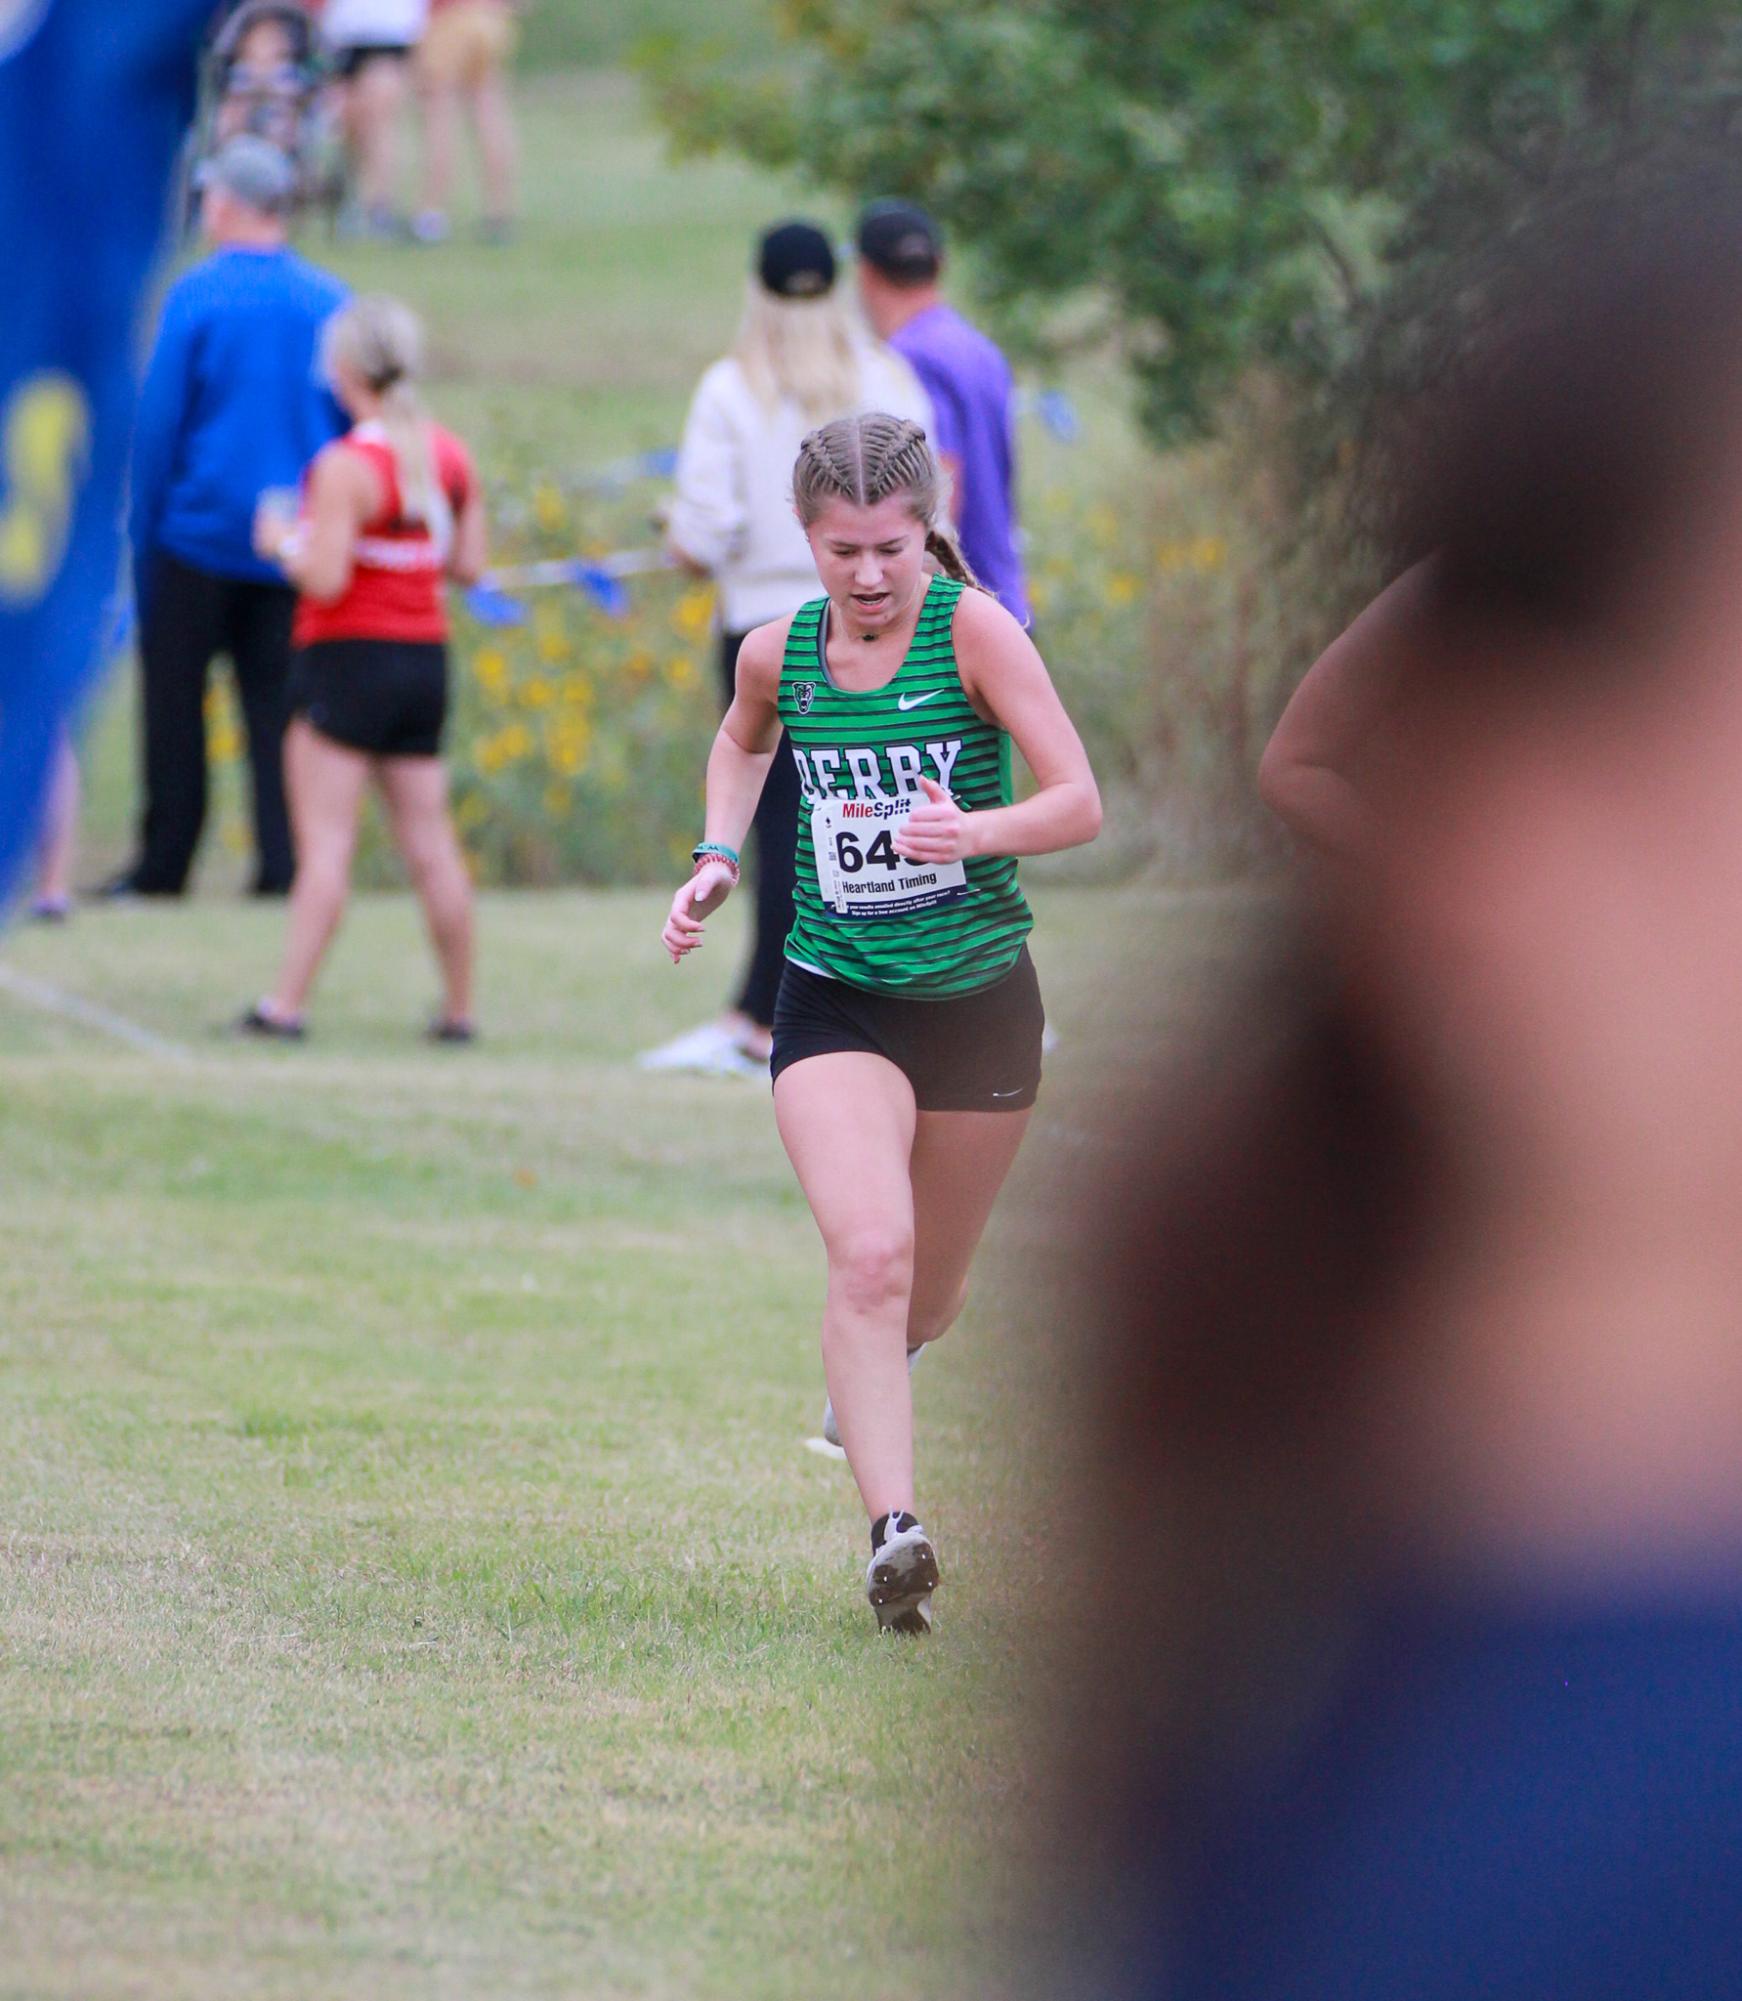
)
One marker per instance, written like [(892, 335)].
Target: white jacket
[(733, 511)]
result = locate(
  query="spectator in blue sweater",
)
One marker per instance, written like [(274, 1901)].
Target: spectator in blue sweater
[(232, 405)]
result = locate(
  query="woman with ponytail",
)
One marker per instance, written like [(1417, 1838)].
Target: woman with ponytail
[(798, 361), (907, 1032), (388, 512)]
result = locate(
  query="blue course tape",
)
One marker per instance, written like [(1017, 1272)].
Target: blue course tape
[(492, 606)]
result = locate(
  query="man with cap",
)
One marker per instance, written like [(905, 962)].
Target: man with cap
[(966, 377), (232, 405)]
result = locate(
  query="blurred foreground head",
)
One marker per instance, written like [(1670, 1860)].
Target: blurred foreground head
[(1420, 1479)]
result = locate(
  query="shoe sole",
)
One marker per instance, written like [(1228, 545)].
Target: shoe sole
[(900, 1590)]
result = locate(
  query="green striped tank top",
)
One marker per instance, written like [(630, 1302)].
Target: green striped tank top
[(861, 913)]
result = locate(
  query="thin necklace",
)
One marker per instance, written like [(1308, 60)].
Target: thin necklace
[(870, 638)]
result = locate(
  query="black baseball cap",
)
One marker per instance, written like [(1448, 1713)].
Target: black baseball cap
[(901, 241), (794, 261)]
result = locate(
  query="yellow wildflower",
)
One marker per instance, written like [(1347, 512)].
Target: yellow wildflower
[(551, 631), (538, 693), (1122, 588), (680, 671), (548, 507), (491, 669), (578, 689), (571, 745), (694, 612), (1209, 552)]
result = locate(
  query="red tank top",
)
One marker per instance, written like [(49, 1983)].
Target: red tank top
[(398, 566)]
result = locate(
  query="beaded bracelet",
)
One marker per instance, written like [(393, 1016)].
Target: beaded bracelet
[(713, 852)]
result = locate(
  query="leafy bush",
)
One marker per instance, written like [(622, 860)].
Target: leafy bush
[(1217, 185)]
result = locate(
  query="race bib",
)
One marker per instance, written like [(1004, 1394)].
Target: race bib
[(859, 874)]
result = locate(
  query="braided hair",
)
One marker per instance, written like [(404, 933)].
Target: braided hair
[(868, 459)]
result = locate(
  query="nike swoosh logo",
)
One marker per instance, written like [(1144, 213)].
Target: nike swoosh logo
[(905, 702)]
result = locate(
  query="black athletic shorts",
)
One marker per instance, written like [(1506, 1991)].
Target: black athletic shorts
[(388, 697), (979, 1052), (349, 60)]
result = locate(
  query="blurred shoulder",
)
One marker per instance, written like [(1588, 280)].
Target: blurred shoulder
[(986, 628), (453, 454), (763, 654), (320, 284), (890, 382), (722, 386)]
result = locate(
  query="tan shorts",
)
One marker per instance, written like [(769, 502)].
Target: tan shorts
[(466, 43)]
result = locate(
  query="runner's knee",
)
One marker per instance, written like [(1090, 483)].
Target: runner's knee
[(872, 1267)]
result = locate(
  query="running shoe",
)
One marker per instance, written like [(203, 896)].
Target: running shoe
[(832, 1430), (711, 1051), (445, 1029), (902, 1576), (258, 1022)]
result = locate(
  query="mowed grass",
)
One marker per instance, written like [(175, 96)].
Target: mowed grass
[(413, 1574)]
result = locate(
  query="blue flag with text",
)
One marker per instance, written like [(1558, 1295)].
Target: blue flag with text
[(95, 97)]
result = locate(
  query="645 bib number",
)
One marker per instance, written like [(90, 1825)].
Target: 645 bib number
[(859, 874)]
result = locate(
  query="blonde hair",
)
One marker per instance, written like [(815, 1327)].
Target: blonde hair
[(799, 351), (868, 459), (380, 341)]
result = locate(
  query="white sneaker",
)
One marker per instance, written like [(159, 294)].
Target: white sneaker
[(902, 1577), (831, 1430), (711, 1050)]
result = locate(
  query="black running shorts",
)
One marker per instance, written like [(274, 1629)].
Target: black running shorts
[(387, 697), (350, 59), (979, 1052)]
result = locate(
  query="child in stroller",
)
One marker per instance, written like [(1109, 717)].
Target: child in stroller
[(265, 76)]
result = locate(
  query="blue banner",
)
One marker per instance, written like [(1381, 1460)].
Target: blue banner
[(95, 97)]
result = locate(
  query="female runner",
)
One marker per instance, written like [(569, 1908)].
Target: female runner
[(907, 1030), (391, 510)]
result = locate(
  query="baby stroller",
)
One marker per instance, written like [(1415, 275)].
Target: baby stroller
[(265, 74)]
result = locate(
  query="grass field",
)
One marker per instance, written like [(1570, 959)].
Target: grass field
[(413, 1575)]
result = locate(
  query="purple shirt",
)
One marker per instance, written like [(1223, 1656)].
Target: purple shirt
[(969, 384)]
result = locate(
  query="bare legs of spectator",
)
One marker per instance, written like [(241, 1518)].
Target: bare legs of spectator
[(60, 826), (492, 118), (327, 782), (493, 121), (373, 101), (416, 793)]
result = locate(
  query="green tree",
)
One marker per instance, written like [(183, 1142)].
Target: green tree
[(1215, 184)]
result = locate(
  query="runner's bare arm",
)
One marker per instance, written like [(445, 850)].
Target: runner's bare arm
[(1310, 773), (316, 555), (1006, 680), (470, 555), (738, 766)]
